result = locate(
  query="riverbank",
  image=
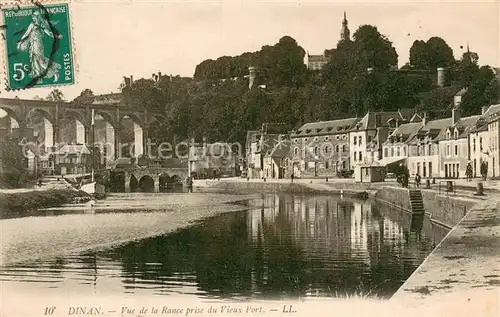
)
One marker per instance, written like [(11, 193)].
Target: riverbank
[(463, 271), (16, 203), (77, 229)]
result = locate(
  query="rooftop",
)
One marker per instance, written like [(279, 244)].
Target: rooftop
[(325, 127)]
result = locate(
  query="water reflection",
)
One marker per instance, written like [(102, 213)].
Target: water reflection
[(283, 246)]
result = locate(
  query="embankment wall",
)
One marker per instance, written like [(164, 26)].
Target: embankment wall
[(443, 209)]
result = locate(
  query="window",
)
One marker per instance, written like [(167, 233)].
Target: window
[(337, 137), (327, 149), (326, 138), (392, 151), (455, 134), (398, 151), (355, 157), (360, 140), (369, 139), (404, 151), (316, 139), (456, 150), (418, 150), (344, 148), (474, 145), (360, 156), (327, 164), (366, 171), (354, 140), (306, 139), (480, 143), (296, 151), (336, 148), (447, 150), (295, 140), (429, 151), (448, 135), (386, 152), (316, 150)]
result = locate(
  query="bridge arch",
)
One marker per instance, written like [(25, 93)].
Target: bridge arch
[(146, 184), (11, 113), (133, 183), (135, 119), (45, 114), (163, 180), (106, 117)]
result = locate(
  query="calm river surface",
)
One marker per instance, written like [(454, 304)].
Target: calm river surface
[(270, 246)]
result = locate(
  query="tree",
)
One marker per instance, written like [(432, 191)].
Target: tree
[(481, 92), (418, 54), (55, 95), (85, 97), (431, 54), (13, 162), (438, 53), (373, 49)]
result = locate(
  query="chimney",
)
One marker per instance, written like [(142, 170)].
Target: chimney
[(455, 115), (252, 75), (441, 77), (378, 120), (484, 109)]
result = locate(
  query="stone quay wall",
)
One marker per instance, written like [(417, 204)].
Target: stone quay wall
[(443, 209)]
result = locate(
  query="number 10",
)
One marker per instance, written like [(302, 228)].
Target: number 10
[(49, 310)]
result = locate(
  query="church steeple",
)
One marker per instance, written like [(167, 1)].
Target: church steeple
[(345, 34)]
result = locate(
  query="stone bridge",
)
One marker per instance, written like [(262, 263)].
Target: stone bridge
[(113, 110), (159, 176)]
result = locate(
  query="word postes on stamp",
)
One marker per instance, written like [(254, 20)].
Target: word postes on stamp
[(38, 46)]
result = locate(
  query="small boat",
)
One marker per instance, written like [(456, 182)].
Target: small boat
[(89, 188)]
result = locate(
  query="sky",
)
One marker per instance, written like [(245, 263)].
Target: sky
[(113, 39)]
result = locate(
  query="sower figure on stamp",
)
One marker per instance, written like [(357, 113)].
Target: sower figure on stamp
[(32, 40)]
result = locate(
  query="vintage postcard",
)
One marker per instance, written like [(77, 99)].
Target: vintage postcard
[(249, 158)]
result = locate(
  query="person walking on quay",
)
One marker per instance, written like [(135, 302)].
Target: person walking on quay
[(484, 170), (292, 176), (190, 184), (468, 172), (417, 180)]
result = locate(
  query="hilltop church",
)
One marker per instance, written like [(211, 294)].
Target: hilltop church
[(316, 62)]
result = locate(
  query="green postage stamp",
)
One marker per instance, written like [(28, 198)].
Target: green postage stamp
[(38, 46)]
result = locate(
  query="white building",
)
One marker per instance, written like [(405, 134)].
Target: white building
[(369, 134)]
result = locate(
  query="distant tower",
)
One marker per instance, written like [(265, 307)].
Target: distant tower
[(441, 77), (252, 75), (345, 34)]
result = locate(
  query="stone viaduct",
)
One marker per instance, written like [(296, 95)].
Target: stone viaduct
[(112, 111)]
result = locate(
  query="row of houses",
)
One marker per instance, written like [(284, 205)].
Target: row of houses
[(440, 148)]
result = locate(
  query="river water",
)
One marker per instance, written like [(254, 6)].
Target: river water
[(270, 246)]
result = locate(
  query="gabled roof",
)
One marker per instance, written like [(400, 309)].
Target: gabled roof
[(73, 149), (432, 129), (467, 124), (369, 121), (281, 149), (268, 142), (406, 131), (325, 127), (490, 111)]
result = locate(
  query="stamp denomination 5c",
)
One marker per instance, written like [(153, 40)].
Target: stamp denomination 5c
[(38, 46)]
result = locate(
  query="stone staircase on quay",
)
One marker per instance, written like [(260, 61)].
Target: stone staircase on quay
[(416, 201)]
